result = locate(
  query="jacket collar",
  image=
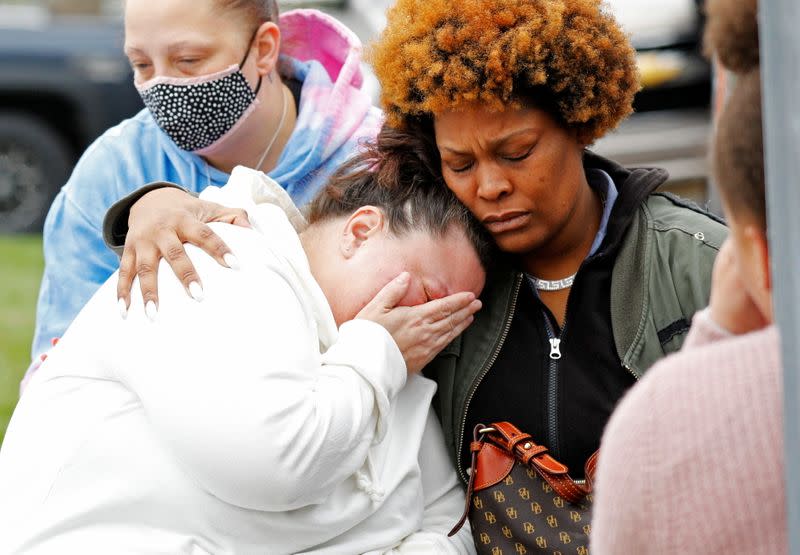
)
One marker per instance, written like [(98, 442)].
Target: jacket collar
[(634, 186)]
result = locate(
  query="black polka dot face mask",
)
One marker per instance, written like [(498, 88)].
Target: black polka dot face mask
[(198, 113)]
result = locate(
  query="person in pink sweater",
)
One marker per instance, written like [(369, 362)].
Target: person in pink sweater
[(692, 459)]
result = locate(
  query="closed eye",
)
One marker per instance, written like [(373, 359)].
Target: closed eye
[(460, 169), (519, 158)]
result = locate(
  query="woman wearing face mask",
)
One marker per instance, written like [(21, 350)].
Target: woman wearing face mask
[(225, 83)]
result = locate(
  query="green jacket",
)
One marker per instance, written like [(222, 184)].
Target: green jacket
[(661, 277)]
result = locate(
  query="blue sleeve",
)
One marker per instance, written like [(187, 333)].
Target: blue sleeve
[(77, 261)]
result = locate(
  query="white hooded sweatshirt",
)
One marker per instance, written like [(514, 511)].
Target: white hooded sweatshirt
[(245, 423)]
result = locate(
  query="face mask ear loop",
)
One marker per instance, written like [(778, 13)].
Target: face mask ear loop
[(258, 87), (246, 55)]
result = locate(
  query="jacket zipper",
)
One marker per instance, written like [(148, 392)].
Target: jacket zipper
[(484, 371), (552, 381), (627, 367)]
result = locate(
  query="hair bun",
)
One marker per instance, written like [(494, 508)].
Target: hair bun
[(732, 33)]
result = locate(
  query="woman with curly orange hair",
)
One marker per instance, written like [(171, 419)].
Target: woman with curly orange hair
[(603, 275)]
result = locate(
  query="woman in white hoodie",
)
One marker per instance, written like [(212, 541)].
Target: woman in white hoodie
[(309, 431)]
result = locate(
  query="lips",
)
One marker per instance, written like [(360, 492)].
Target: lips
[(506, 221)]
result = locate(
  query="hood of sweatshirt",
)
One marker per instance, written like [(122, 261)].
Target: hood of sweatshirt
[(336, 113), (273, 214)]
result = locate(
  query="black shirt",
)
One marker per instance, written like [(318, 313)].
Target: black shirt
[(564, 404)]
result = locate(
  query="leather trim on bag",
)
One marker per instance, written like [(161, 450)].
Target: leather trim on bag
[(494, 464)]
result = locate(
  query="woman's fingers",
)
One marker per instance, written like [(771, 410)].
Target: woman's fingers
[(127, 271), (422, 331), (174, 253), (235, 216), (391, 294), (441, 310), (386, 300), (453, 321), (445, 320), (200, 235), (146, 267), (458, 329), (158, 226)]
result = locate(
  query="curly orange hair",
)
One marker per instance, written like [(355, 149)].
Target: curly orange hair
[(438, 55)]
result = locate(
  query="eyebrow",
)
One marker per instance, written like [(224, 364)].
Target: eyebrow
[(495, 142), (177, 46), (171, 49)]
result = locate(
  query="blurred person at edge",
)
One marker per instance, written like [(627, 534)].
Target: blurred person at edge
[(284, 413), (225, 83), (603, 273), (692, 461)]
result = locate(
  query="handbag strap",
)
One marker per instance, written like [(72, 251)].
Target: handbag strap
[(520, 444), (475, 446), (522, 447)]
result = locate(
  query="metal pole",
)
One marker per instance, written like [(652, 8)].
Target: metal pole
[(780, 66)]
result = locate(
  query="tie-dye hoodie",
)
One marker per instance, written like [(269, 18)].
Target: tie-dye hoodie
[(335, 114)]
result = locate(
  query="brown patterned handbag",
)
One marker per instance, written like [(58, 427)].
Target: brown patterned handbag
[(521, 500)]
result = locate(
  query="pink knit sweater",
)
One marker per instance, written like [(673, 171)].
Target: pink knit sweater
[(692, 459)]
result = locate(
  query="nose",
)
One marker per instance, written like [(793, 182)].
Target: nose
[(493, 185)]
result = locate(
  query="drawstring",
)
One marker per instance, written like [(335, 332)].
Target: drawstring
[(366, 483)]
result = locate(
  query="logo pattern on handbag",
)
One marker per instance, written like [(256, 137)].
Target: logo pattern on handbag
[(520, 500)]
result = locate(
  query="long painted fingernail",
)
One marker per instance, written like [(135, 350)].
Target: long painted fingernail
[(196, 291), (231, 261), (151, 310), (123, 308)]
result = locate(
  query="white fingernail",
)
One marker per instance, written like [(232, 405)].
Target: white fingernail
[(151, 310), (196, 291), (231, 261), (123, 308)]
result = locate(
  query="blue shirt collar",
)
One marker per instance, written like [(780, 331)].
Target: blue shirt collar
[(601, 182)]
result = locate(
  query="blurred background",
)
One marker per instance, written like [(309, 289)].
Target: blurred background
[(64, 80)]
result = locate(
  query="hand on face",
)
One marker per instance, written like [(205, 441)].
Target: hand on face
[(422, 331), (732, 307)]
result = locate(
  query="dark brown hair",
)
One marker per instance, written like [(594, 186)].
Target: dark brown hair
[(396, 174), (439, 55), (732, 34)]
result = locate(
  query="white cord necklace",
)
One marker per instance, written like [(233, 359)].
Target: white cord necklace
[(552, 285), (275, 136)]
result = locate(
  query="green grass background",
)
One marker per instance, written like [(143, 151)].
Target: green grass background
[(21, 267)]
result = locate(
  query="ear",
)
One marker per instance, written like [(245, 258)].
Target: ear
[(758, 245), (267, 43), (364, 224)]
